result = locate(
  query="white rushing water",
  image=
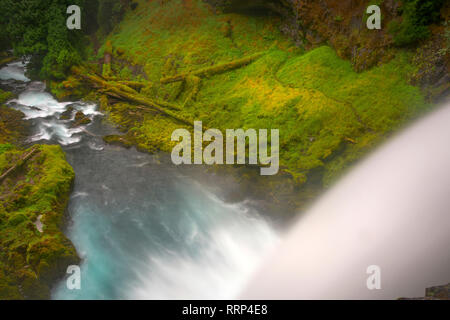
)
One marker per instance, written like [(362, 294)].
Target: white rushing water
[(392, 211), (229, 251), (146, 231), (41, 106), (14, 71)]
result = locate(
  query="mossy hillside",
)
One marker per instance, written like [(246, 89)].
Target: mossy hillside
[(31, 261), (180, 36), (328, 115)]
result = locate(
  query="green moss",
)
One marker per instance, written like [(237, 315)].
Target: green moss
[(5, 147), (5, 96), (118, 140), (328, 115), (13, 129), (31, 260)]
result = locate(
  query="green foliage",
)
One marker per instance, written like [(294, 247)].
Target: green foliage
[(416, 16), (110, 13), (90, 13), (328, 114), (37, 28)]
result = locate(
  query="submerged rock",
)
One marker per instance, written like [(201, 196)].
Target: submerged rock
[(35, 253), (81, 119), (67, 115), (117, 140)]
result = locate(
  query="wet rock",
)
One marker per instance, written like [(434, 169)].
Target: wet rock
[(118, 140), (440, 292), (84, 121), (13, 128), (434, 293), (81, 119), (79, 116), (67, 115)]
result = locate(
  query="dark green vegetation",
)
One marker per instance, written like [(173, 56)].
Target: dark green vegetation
[(416, 16), (37, 28)]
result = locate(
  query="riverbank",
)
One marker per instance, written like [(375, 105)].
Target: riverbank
[(35, 184)]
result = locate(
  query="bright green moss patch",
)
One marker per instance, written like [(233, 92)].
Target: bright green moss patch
[(5, 147), (5, 96), (30, 261), (328, 115)]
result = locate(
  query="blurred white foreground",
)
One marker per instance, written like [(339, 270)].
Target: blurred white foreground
[(392, 211)]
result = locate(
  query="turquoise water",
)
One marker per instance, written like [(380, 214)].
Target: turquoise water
[(147, 231)]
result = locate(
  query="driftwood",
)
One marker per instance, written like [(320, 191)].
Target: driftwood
[(19, 163), (217, 69), (121, 91), (193, 82), (124, 90)]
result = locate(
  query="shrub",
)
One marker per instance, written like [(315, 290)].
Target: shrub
[(416, 16)]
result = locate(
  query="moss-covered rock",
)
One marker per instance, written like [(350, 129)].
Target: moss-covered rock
[(67, 115), (5, 96), (13, 129), (31, 261), (81, 119), (434, 293), (122, 141)]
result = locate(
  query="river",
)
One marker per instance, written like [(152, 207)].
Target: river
[(144, 228)]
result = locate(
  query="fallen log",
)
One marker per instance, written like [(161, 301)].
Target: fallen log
[(133, 84), (19, 163), (121, 91), (139, 99), (217, 69), (194, 83)]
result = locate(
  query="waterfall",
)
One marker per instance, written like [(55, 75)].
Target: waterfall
[(392, 212)]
